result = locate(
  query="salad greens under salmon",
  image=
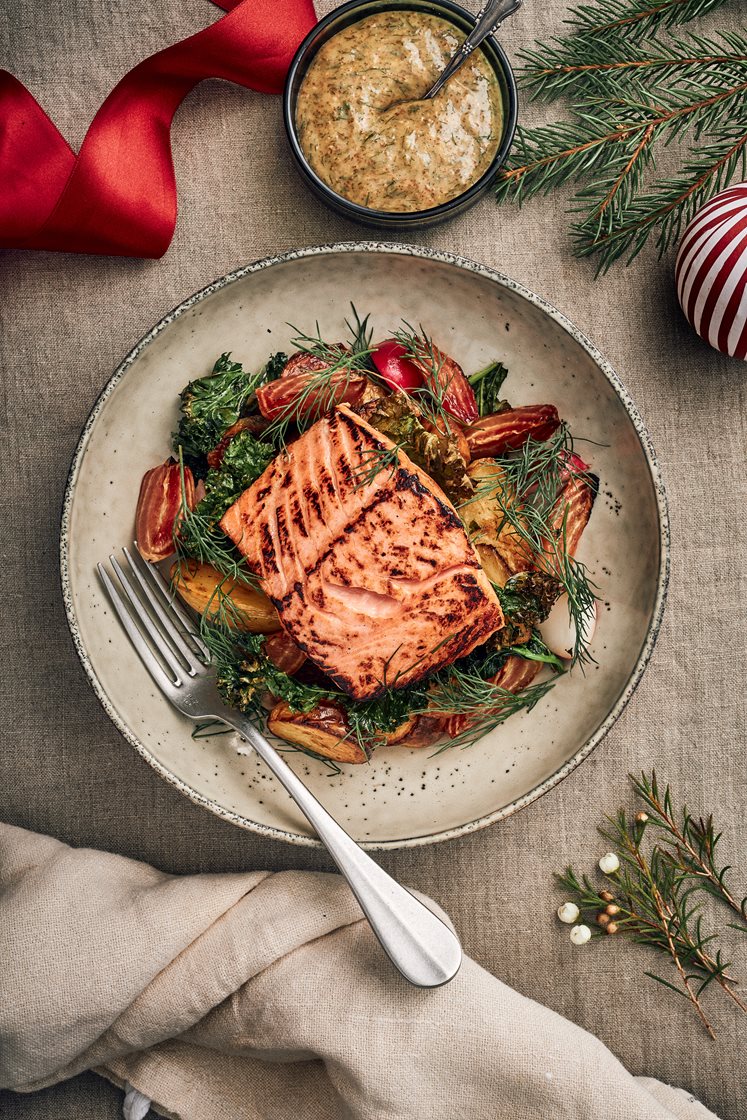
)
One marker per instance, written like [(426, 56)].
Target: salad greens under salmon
[(374, 542)]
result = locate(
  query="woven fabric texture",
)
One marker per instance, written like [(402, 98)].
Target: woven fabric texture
[(219, 996), (66, 321)]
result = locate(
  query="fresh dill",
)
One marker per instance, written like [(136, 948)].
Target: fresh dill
[(430, 396), (210, 729), (528, 490), (198, 537), (374, 461), (324, 388), (361, 334), (486, 704)]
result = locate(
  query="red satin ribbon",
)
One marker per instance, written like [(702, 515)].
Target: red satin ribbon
[(118, 195)]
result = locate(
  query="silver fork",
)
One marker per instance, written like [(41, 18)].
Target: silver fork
[(417, 942)]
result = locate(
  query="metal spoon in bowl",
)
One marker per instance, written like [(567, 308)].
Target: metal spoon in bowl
[(489, 19)]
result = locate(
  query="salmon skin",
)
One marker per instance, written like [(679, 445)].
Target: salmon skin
[(371, 571)]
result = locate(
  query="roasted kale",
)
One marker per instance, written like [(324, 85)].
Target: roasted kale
[(274, 366), (200, 537), (249, 676), (209, 406), (529, 597), (371, 719), (243, 462), (487, 384)]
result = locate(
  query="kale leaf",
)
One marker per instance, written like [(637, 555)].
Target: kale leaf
[(245, 678), (274, 366), (529, 597), (371, 719), (243, 462), (487, 384), (209, 406), (536, 650)]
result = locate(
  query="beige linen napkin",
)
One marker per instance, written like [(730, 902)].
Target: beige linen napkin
[(265, 995)]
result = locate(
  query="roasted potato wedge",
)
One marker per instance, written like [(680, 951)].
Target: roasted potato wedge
[(424, 732), (484, 516), (325, 731), (321, 730), (493, 564), (197, 583)]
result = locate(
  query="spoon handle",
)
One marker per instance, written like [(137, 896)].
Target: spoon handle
[(489, 18)]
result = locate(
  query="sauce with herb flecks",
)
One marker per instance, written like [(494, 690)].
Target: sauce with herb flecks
[(389, 156)]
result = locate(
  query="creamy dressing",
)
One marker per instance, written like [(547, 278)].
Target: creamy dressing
[(398, 157)]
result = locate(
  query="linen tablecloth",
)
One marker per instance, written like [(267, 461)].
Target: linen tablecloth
[(66, 321)]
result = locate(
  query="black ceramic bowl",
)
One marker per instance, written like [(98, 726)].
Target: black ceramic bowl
[(413, 219)]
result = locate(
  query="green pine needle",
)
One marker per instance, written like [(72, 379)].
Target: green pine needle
[(632, 93)]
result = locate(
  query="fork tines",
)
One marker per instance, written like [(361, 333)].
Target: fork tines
[(157, 625)]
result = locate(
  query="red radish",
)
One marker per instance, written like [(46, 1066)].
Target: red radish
[(394, 367), (436, 370)]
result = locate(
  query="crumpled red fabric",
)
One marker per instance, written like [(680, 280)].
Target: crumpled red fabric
[(118, 195)]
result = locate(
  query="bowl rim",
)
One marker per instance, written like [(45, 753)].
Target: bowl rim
[(397, 218), (423, 253)]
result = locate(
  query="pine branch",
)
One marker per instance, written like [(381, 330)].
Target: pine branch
[(613, 64), (634, 92), (638, 17), (669, 205), (569, 150)]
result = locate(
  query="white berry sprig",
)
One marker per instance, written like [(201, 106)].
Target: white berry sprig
[(651, 892)]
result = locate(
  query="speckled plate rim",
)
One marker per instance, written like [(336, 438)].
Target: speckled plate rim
[(643, 437)]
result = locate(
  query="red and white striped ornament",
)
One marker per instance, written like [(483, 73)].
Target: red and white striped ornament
[(711, 272)]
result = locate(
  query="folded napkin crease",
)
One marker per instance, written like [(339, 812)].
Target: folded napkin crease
[(266, 995)]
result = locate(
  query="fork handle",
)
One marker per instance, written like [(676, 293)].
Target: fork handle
[(422, 947)]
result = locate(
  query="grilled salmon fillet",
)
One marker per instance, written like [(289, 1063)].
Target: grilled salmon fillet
[(370, 569)]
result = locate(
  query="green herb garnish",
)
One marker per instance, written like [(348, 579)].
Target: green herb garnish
[(487, 383)]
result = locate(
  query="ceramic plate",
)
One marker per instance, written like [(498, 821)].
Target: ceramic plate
[(404, 797)]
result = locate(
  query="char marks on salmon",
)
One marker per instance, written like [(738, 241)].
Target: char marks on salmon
[(371, 571)]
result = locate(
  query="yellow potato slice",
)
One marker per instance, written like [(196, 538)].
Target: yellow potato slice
[(197, 583)]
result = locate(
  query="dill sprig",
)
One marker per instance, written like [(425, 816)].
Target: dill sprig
[(374, 460), (656, 891), (461, 692), (198, 537), (527, 490), (361, 335), (430, 396), (210, 729), (322, 389)]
